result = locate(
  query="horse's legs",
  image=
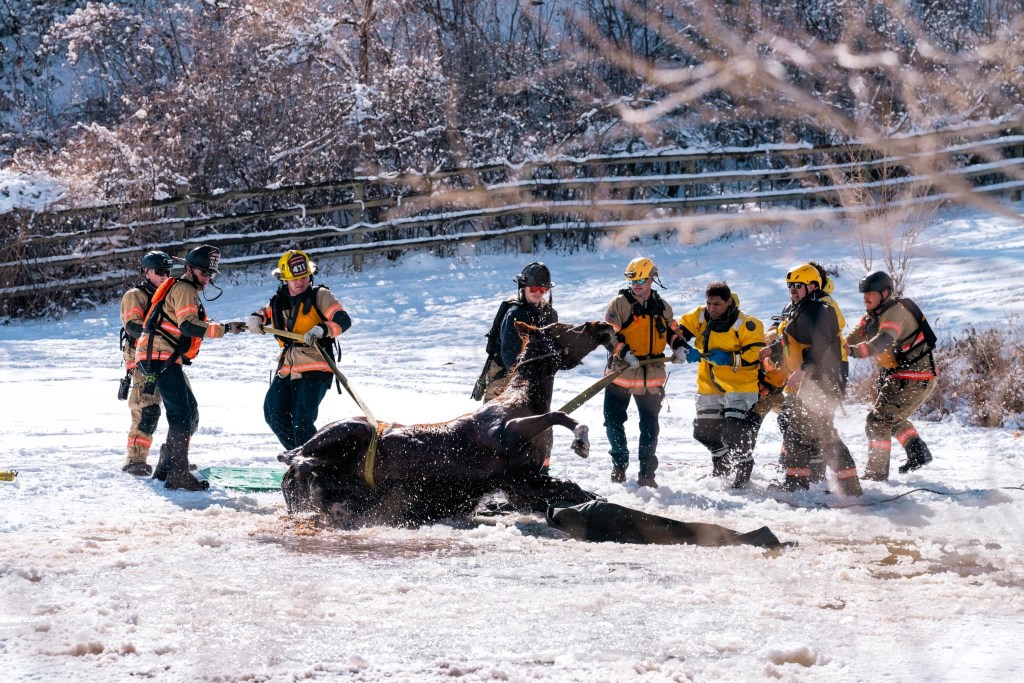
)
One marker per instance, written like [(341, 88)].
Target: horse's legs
[(528, 428)]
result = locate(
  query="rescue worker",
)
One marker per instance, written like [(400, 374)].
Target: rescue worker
[(772, 380), (303, 376), (726, 342), (644, 326), (528, 306), (810, 349), (174, 329), (145, 408), (897, 336), (503, 342), (827, 290)]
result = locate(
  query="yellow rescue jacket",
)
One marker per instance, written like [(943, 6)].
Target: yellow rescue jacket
[(739, 334)]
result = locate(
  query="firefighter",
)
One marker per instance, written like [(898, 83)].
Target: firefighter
[(303, 376), (644, 326), (145, 408), (175, 327), (897, 336), (772, 379), (809, 348), (726, 342)]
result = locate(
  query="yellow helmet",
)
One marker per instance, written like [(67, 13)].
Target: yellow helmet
[(805, 274), (294, 265), (641, 268)]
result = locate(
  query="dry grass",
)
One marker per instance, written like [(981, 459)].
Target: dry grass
[(981, 377)]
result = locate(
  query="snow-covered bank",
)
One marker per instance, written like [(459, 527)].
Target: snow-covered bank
[(105, 577)]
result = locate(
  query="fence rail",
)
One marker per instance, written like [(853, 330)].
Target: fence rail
[(71, 250)]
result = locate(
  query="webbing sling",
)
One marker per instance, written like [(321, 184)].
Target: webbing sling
[(371, 452), (595, 388)]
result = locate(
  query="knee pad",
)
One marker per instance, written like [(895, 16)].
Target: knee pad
[(709, 433), (148, 418)]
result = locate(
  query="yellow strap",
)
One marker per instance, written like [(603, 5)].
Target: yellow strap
[(371, 452)]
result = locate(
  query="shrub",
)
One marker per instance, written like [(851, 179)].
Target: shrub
[(981, 377)]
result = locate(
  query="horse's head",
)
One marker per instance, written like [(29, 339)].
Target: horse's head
[(564, 346), (575, 342)]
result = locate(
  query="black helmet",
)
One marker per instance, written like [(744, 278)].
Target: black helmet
[(204, 258), (156, 260), (535, 274), (876, 281)]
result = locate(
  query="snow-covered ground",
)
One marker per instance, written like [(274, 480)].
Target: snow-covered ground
[(104, 577)]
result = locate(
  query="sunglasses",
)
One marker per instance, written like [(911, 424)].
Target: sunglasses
[(795, 285), (537, 290), (161, 271), (638, 281), (205, 273)]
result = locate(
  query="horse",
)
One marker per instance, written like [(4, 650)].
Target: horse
[(420, 473)]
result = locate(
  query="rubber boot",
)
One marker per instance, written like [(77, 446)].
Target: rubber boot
[(646, 479), (162, 465), (178, 475), (791, 483), (918, 455), (720, 466), (742, 470), (139, 469)]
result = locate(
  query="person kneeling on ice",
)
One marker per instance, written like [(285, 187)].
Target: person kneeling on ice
[(303, 376), (809, 347), (175, 327), (726, 342), (897, 336)]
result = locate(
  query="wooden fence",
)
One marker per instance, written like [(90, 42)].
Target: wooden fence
[(59, 254)]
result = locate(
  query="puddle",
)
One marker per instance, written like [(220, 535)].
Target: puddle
[(904, 561)]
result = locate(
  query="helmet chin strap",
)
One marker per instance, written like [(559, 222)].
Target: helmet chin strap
[(211, 284)]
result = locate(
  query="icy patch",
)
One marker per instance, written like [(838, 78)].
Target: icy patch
[(804, 656)]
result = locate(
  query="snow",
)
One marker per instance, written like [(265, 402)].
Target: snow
[(104, 577)]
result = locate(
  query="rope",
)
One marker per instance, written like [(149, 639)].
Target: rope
[(826, 506), (600, 384), (371, 451)]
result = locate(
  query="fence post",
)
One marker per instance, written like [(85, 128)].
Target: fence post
[(181, 190), (357, 217), (526, 241), (1018, 152)]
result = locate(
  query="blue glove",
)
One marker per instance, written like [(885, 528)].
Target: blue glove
[(692, 356), (719, 357)]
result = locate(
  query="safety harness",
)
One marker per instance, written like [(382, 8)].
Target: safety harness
[(158, 322), (126, 340), (912, 347), (285, 312)]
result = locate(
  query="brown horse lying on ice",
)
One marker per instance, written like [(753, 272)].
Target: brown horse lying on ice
[(419, 473)]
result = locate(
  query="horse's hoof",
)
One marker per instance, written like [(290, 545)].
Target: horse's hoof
[(581, 444), (581, 448)]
